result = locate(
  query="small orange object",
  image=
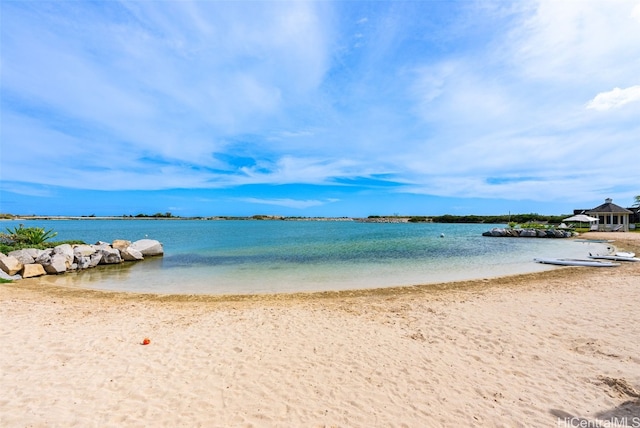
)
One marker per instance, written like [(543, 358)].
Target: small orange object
[(146, 341)]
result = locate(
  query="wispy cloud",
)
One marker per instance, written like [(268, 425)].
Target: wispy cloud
[(289, 203)]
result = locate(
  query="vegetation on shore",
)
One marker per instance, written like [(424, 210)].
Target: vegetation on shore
[(493, 219), (29, 237)]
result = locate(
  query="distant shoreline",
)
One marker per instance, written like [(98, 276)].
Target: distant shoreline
[(375, 219), (213, 218), (470, 219), (522, 220)]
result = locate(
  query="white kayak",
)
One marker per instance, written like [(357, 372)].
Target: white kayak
[(617, 257), (576, 262), (625, 254)]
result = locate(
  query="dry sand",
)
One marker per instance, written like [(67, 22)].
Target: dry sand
[(551, 349)]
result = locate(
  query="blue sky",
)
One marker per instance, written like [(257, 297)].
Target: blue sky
[(326, 108)]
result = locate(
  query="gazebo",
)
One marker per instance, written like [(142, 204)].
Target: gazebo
[(613, 218)]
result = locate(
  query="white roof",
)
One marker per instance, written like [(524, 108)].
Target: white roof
[(581, 217)]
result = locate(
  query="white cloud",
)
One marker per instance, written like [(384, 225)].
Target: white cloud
[(574, 40), (635, 13), (515, 107), (290, 169), (615, 98), (29, 190), (289, 203)]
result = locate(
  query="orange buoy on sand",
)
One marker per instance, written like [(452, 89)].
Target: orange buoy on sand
[(146, 341)]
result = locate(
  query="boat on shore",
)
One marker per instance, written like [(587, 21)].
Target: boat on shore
[(624, 254), (576, 262), (616, 257)]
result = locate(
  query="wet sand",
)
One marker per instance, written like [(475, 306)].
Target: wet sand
[(544, 349)]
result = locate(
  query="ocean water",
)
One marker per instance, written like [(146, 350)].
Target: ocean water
[(250, 256)]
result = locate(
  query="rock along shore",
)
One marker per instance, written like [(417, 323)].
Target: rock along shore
[(529, 233), (32, 262)]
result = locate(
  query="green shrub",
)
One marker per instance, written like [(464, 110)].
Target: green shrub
[(532, 225), (29, 235), (7, 248)]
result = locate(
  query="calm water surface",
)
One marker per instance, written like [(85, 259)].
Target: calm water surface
[(220, 257)]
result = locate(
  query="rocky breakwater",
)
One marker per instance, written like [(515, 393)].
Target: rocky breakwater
[(528, 233), (31, 262)]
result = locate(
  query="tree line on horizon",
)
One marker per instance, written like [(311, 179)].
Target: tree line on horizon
[(490, 219)]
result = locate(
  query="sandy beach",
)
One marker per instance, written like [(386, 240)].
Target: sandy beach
[(551, 349)]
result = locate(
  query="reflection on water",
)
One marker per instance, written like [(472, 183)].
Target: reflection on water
[(89, 278)]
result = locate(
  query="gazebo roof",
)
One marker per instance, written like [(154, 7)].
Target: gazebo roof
[(609, 207)]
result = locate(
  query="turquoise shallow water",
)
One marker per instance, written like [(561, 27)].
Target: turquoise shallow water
[(221, 257)]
